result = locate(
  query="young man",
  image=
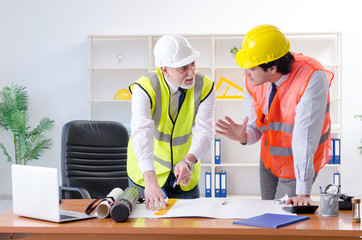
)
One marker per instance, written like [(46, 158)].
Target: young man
[(172, 124), (286, 105)]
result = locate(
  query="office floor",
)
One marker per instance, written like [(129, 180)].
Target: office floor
[(5, 203)]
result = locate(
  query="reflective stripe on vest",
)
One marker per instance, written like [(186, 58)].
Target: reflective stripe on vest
[(279, 151), (284, 127)]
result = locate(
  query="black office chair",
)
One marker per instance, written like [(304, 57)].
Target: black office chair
[(93, 158)]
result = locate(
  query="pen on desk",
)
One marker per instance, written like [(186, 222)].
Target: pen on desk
[(320, 189)]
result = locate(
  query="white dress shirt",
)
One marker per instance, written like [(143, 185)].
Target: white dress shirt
[(142, 127), (308, 124)]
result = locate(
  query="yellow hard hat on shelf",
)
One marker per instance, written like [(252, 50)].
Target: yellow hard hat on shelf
[(262, 44), (122, 94)]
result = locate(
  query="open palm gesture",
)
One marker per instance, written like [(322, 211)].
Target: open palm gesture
[(232, 130)]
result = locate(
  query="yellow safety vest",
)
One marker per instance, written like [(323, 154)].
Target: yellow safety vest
[(172, 139)]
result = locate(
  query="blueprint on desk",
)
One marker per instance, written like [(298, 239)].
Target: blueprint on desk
[(214, 208)]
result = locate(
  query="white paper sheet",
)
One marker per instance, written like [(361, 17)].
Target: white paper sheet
[(214, 208)]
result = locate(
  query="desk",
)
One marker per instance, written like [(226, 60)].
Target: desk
[(173, 228)]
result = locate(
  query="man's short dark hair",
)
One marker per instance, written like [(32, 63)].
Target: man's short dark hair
[(284, 64)]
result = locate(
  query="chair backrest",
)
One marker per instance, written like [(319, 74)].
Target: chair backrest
[(94, 156)]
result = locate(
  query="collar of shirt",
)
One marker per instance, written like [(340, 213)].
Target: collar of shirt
[(173, 88), (279, 82)]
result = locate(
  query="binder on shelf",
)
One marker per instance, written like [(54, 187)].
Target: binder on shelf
[(217, 184), (217, 151), (336, 157), (336, 152), (223, 184), (208, 184), (337, 178)]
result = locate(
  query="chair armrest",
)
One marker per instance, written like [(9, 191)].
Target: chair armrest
[(82, 191)]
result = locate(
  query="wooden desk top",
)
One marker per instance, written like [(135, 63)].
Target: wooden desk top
[(317, 227)]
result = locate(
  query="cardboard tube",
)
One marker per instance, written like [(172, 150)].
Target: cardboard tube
[(122, 208), (104, 207)]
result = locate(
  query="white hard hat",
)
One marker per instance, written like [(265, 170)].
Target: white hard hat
[(174, 51)]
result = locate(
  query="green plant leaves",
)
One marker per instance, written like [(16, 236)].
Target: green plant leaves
[(6, 154), (29, 144), (234, 50)]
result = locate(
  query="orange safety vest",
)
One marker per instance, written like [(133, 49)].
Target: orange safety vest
[(276, 143)]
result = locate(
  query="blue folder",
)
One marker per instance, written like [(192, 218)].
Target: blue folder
[(336, 151), (217, 151), (208, 184), (217, 184), (271, 220), (223, 184)]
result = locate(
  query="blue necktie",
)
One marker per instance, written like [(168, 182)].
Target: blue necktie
[(181, 98), (272, 94)]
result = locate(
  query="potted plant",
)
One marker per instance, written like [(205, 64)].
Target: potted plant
[(234, 50), (28, 144)]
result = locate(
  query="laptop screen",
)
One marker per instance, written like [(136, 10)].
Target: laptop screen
[(35, 192)]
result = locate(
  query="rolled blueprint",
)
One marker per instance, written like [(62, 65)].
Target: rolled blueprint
[(121, 209), (104, 207)]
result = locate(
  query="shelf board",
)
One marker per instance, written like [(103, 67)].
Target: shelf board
[(229, 100), (240, 164), (244, 164), (116, 69), (237, 67), (206, 164), (227, 67), (107, 37), (203, 67), (109, 101), (332, 165)]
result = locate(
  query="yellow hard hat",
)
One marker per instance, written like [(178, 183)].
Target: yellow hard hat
[(262, 44), (122, 94)]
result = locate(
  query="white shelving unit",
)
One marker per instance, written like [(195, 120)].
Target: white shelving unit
[(114, 62)]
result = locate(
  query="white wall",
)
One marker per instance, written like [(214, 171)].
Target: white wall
[(43, 47)]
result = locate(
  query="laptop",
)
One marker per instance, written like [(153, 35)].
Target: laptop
[(36, 194)]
